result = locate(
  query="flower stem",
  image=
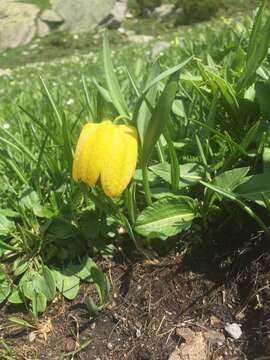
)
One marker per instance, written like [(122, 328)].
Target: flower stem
[(146, 185), (118, 119)]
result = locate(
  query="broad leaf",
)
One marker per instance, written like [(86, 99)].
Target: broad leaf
[(5, 285), (68, 285), (190, 173), (230, 179), (20, 265), (47, 284), (166, 217), (263, 96), (6, 226), (16, 296), (253, 186)]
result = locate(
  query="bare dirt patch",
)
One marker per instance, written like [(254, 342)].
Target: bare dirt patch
[(152, 303)]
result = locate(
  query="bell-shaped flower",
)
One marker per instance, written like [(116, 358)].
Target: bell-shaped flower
[(108, 152)]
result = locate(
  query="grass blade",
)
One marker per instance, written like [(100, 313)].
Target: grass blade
[(111, 79)]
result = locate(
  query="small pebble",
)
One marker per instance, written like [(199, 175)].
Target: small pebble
[(214, 320), (70, 345), (233, 330), (214, 337), (110, 346)]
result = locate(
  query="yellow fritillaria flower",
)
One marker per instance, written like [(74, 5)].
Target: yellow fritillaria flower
[(106, 151)]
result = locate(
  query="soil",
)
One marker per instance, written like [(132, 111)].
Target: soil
[(201, 288)]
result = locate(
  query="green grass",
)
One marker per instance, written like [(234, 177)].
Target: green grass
[(60, 44), (42, 4), (203, 157)]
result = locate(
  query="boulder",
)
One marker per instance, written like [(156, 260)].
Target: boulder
[(164, 11), (82, 15), (17, 23), (115, 19), (43, 29), (48, 21), (50, 16)]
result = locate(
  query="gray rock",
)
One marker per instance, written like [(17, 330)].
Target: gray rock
[(117, 15), (233, 330), (17, 23), (164, 11), (48, 21), (195, 347), (82, 15), (140, 39), (129, 15), (51, 16), (159, 47), (186, 334), (214, 337), (43, 29)]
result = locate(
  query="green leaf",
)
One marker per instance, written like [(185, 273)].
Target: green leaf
[(16, 296), (47, 284), (263, 95), (253, 186), (26, 285), (16, 144), (39, 303), (6, 227), (9, 213), (20, 265), (160, 116), (138, 176), (33, 284), (21, 322), (30, 200), (266, 159), (166, 217), (68, 285), (190, 174), (229, 180), (89, 224), (5, 286), (102, 284), (83, 270), (165, 74), (257, 49), (144, 114), (91, 305), (162, 192), (111, 79), (226, 90), (61, 228), (237, 199)]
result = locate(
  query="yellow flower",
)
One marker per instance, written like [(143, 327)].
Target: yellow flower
[(106, 151)]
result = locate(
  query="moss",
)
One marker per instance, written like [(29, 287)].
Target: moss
[(42, 4)]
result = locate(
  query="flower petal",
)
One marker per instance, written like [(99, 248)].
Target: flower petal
[(81, 157), (120, 161)]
